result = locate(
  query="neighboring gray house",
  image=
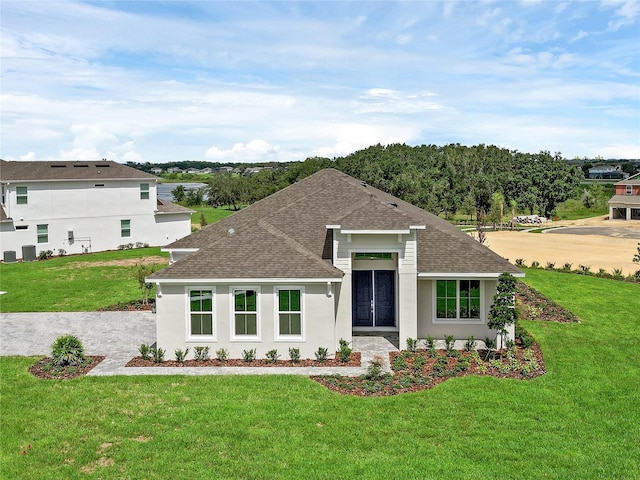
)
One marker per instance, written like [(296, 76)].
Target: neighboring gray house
[(83, 206), (625, 204), (317, 261)]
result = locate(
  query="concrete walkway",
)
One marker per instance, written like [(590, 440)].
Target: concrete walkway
[(117, 335)]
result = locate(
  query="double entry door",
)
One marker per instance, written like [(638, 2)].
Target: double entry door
[(374, 299)]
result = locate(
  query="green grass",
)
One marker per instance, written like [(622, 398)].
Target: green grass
[(71, 283), (211, 215), (579, 420), (575, 210)]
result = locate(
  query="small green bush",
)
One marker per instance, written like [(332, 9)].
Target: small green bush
[(201, 354), (399, 363), (449, 341), (520, 263), (145, 351), (412, 344), (294, 354), (322, 354), (249, 355), (470, 344), (45, 254), (429, 342), (181, 355), (272, 356), (67, 350), (222, 354), (344, 354), (374, 370), (158, 354)]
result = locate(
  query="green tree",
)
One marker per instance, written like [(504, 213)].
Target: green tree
[(502, 313), (496, 212), (178, 193)]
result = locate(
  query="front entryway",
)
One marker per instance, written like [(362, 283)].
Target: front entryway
[(373, 300)]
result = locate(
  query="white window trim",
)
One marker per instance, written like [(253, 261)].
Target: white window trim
[(629, 190), (147, 191), (276, 315), (200, 338), (232, 310), (458, 320)]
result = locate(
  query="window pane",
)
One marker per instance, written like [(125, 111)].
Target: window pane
[(474, 288), (251, 324), (295, 324), (451, 288), (441, 288), (240, 302), (474, 308), (196, 325), (451, 308), (464, 288), (251, 300), (284, 324), (240, 324), (441, 308), (283, 304), (144, 191), (295, 301), (207, 324)]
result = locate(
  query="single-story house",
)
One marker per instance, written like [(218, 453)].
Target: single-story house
[(320, 260), (625, 204)]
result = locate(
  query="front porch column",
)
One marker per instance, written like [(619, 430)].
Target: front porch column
[(407, 307), (610, 212), (628, 213), (342, 294)]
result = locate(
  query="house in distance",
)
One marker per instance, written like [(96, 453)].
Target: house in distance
[(320, 260), (82, 206)]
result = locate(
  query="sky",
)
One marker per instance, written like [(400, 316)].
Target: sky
[(154, 81)]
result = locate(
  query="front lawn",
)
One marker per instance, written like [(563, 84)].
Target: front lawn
[(75, 282), (579, 420)]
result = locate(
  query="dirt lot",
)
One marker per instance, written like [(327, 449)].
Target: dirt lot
[(596, 251)]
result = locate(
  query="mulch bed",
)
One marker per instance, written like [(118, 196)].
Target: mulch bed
[(354, 361), (415, 377), (533, 305), (45, 370), (129, 306)]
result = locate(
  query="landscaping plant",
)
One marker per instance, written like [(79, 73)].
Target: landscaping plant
[(67, 350), (502, 313)]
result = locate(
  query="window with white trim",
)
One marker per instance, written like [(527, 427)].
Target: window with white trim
[(144, 191), (201, 313), (125, 228), (629, 189), (43, 233), (458, 299), (289, 312), (21, 195), (245, 312)]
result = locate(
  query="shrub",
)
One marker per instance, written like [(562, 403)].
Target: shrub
[(322, 354), (249, 355), (45, 254), (294, 354), (62, 252), (520, 263), (617, 274), (158, 354), (566, 267), (412, 344), (272, 356), (550, 266), (374, 370), (418, 363), (470, 344), (490, 343), (222, 354), (535, 264), (449, 341), (201, 354), (585, 269), (345, 351), (67, 350), (399, 363), (602, 273), (430, 342), (145, 351), (441, 365), (180, 355)]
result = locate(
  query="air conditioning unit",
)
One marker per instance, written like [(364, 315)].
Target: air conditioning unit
[(10, 256), (28, 253)]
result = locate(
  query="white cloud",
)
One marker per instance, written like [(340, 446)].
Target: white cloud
[(255, 150), (579, 36), (626, 12)]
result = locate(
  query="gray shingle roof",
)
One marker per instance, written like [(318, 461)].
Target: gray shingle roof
[(285, 235), (632, 180), (168, 207), (625, 199), (65, 170)]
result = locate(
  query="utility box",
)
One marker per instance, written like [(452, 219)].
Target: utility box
[(70, 237), (28, 253), (10, 256)]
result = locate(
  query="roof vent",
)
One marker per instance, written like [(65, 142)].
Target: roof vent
[(363, 184), (81, 166), (58, 166), (102, 165), (393, 204), (231, 231)]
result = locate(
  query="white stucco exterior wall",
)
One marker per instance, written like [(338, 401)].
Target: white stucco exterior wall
[(93, 211)]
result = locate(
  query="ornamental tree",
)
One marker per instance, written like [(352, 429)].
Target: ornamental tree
[(502, 313)]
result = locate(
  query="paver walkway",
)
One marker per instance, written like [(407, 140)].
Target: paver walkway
[(117, 335)]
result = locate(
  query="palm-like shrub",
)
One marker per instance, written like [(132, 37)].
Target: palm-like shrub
[(67, 350)]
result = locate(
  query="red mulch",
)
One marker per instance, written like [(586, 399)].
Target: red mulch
[(412, 379), (44, 369), (128, 306), (354, 361)]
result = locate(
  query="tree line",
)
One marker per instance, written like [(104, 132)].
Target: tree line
[(440, 179)]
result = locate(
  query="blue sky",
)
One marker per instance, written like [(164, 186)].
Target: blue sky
[(281, 81)]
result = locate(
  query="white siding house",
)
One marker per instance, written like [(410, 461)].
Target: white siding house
[(83, 207)]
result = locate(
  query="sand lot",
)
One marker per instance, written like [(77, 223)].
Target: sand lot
[(597, 251)]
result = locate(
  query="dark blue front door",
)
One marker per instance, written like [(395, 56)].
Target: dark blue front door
[(373, 299)]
